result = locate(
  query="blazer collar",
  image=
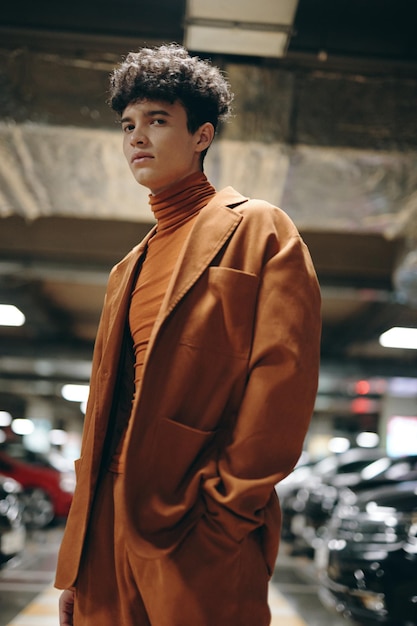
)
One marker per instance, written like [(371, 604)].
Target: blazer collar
[(121, 284)]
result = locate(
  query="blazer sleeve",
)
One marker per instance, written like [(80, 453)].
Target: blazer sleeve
[(278, 401)]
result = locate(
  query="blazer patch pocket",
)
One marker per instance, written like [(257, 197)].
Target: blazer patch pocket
[(222, 311)]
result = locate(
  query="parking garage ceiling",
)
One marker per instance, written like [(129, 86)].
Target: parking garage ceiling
[(328, 131)]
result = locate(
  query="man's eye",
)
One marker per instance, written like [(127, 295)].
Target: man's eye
[(127, 128), (158, 121)]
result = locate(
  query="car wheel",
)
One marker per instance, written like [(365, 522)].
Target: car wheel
[(38, 510)]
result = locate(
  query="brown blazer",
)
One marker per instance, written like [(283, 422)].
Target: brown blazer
[(228, 386)]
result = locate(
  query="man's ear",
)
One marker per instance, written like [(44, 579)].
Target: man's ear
[(204, 135)]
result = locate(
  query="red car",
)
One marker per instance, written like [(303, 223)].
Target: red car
[(47, 491)]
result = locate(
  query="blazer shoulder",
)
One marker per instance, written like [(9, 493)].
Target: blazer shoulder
[(254, 208), (227, 197), (264, 213)]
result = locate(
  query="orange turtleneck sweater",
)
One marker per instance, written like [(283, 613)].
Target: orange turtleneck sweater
[(175, 211)]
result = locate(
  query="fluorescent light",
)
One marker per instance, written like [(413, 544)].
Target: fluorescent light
[(338, 444), (230, 40), (10, 315), (23, 426), (241, 27), (75, 393), (367, 440), (5, 419), (261, 11), (399, 337)]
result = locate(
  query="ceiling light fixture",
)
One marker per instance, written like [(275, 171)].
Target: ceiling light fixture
[(5, 419), (10, 315), (22, 426), (399, 337), (75, 393), (367, 440), (338, 445), (240, 27)]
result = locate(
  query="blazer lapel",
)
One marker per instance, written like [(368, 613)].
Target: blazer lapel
[(121, 289), (118, 298)]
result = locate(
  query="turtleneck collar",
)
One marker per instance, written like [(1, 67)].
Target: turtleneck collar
[(182, 200)]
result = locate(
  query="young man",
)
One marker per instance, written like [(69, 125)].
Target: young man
[(203, 381)]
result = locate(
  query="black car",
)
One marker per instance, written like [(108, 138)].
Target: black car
[(368, 565), (293, 494), (12, 529), (319, 501)]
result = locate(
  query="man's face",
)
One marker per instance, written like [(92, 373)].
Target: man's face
[(157, 144)]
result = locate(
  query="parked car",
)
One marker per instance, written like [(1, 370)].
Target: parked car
[(318, 502), (368, 565), (47, 491), (293, 496), (12, 529), (296, 479)]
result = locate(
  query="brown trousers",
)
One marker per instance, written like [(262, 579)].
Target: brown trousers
[(204, 582)]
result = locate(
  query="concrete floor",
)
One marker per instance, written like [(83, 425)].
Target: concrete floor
[(295, 578), (24, 578)]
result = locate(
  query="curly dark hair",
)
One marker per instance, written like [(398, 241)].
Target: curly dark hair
[(170, 74)]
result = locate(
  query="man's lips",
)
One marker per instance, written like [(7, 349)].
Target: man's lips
[(138, 157)]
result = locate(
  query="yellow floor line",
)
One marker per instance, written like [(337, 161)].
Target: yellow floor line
[(43, 610), (282, 613)]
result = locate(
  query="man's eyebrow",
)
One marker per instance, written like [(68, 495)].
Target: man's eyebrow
[(148, 114), (158, 112)]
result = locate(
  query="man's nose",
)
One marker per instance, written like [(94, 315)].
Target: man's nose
[(138, 137)]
